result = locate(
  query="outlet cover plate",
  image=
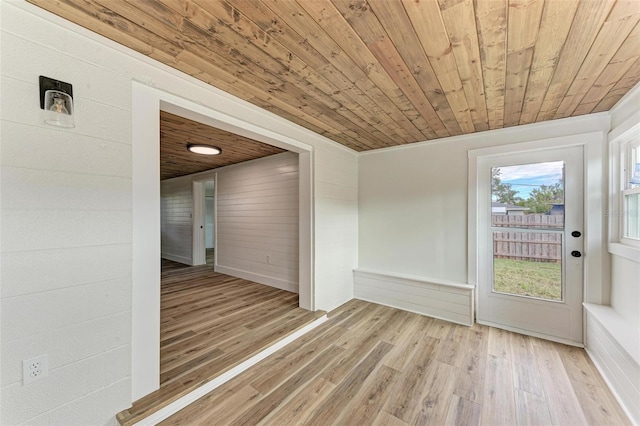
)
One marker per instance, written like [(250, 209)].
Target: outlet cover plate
[(35, 368)]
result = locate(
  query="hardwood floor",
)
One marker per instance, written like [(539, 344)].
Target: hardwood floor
[(211, 322), (374, 365)]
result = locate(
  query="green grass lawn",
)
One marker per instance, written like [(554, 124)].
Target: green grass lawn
[(526, 278)]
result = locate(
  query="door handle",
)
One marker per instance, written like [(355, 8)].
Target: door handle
[(576, 234), (576, 253)]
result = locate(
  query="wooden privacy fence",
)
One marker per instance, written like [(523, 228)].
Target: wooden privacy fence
[(528, 221), (522, 245)]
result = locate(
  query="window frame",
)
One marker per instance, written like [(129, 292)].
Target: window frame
[(620, 145), (628, 169)]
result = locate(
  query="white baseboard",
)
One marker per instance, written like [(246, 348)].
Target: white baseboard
[(618, 367), (440, 299), (258, 278), (177, 258)]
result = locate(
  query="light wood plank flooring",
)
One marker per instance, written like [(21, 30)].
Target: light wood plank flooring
[(374, 365), (211, 322)]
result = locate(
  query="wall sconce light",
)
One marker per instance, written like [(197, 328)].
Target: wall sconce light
[(56, 101), (203, 149)]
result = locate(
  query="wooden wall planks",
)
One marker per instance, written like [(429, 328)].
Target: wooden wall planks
[(376, 73)]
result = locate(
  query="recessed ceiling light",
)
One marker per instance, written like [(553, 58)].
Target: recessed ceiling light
[(203, 149)]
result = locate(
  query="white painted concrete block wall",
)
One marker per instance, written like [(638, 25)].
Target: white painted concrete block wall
[(257, 220), (66, 231), (176, 219), (66, 215)]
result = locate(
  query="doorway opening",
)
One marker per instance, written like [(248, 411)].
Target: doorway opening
[(222, 304), (209, 222), (147, 104)]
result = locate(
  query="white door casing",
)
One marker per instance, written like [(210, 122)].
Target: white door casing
[(555, 320), (146, 104)]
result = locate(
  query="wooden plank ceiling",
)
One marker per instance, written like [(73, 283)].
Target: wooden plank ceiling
[(176, 132), (376, 73)]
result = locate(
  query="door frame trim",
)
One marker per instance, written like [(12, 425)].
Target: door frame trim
[(563, 317), (147, 102), (596, 278)]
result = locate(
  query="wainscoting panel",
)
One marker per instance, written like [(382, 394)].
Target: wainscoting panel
[(606, 339), (441, 299)]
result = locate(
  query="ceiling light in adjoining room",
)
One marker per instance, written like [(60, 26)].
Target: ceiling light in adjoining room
[(204, 149)]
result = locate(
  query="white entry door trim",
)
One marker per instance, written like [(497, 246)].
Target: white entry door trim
[(596, 263), (559, 320)]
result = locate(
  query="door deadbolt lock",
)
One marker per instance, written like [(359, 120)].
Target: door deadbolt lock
[(576, 253), (576, 234)]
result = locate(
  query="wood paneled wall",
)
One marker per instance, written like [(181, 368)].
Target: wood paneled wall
[(257, 221)]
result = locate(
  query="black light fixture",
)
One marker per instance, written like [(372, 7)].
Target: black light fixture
[(56, 101), (198, 148)]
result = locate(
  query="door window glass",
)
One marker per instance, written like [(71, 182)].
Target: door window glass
[(528, 264), (528, 197)]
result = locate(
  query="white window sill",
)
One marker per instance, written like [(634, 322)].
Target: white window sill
[(626, 251)]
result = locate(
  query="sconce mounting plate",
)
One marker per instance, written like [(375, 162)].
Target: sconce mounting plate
[(47, 83)]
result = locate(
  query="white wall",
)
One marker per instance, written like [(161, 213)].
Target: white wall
[(67, 217), (176, 219), (625, 289), (66, 230), (257, 220), (612, 329), (336, 226), (625, 273), (413, 200)]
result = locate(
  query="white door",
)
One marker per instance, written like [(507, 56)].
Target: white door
[(530, 243)]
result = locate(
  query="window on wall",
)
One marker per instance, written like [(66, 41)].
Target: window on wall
[(630, 191), (624, 210)]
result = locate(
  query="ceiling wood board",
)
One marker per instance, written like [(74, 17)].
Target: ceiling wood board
[(376, 73), (176, 132)]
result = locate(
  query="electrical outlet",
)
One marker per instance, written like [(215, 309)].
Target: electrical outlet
[(35, 368)]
